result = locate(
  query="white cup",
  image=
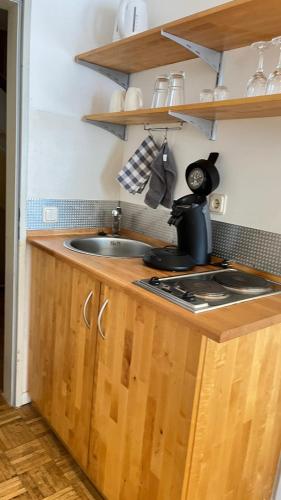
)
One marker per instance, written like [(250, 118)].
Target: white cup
[(117, 101), (133, 99)]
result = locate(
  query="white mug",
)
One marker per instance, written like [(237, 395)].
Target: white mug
[(133, 99), (117, 101)]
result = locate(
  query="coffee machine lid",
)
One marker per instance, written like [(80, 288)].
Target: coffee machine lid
[(202, 176)]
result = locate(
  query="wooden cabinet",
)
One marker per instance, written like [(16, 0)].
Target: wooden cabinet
[(145, 380), (76, 303), (237, 442), (148, 406), (42, 332), (62, 348)]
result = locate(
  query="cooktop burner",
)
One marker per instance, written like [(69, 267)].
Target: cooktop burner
[(200, 292), (208, 290), (243, 283)]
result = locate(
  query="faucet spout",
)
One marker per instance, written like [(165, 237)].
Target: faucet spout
[(116, 221)]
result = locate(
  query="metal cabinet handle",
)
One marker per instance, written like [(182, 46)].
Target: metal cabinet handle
[(85, 309), (100, 319)]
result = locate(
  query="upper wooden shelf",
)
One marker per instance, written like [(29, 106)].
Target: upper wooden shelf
[(232, 109), (234, 24)]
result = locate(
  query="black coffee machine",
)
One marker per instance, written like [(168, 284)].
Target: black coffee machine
[(190, 215)]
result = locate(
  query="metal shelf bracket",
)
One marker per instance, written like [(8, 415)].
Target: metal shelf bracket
[(119, 131), (212, 57), (208, 127), (123, 79)]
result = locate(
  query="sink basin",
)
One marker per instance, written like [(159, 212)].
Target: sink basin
[(105, 246)]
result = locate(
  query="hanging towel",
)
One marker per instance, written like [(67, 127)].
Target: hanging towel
[(163, 179), (135, 175)]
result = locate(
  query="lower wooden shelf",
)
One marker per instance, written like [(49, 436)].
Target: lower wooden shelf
[(201, 115), (137, 117), (232, 109)]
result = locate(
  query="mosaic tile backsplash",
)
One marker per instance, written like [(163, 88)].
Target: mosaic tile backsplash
[(71, 213), (252, 247)]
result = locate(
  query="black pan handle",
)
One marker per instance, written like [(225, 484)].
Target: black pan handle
[(213, 157)]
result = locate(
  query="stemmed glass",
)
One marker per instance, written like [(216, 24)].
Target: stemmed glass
[(257, 83), (274, 80)]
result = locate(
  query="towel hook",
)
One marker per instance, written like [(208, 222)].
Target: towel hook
[(161, 129)]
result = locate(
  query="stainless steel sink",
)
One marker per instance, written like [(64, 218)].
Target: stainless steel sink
[(106, 246)]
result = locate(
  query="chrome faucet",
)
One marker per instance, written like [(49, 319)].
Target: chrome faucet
[(116, 221)]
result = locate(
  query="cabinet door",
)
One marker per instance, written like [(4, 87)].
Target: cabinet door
[(75, 321), (41, 331), (145, 378)]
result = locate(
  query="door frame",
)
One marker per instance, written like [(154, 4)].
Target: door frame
[(16, 160)]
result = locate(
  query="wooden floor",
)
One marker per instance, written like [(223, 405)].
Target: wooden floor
[(33, 463)]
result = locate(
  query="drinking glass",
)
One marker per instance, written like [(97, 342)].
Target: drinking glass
[(257, 83), (160, 92), (221, 93), (274, 80), (206, 95), (176, 89)]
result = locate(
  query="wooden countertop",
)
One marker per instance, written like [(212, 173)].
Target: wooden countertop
[(219, 325)]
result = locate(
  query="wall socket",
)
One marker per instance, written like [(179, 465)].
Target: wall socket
[(217, 203), (50, 214)]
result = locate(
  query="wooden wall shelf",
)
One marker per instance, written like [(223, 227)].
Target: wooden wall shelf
[(234, 24), (138, 117), (232, 109)]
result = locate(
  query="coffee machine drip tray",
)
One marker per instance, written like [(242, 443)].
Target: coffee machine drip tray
[(200, 292)]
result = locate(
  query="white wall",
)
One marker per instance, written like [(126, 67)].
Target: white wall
[(250, 149), (68, 158), (164, 11)]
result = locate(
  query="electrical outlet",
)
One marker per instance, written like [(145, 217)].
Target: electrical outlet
[(50, 214), (217, 203)]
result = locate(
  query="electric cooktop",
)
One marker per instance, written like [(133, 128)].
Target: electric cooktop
[(201, 292)]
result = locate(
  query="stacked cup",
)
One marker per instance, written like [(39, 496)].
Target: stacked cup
[(169, 90), (176, 89), (160, 91), (126, 101)]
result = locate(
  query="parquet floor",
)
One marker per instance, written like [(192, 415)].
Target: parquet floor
[(2, 304), (33, 463)]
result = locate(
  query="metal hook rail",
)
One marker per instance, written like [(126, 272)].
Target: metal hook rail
[(161, 129)]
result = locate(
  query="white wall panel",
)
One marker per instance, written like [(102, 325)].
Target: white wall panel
[(67, 158), (250, 150)]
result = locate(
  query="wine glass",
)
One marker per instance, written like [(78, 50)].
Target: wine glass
[(257, 83), (274, 80)]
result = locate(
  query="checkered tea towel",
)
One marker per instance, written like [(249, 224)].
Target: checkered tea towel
[(136, 173)]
